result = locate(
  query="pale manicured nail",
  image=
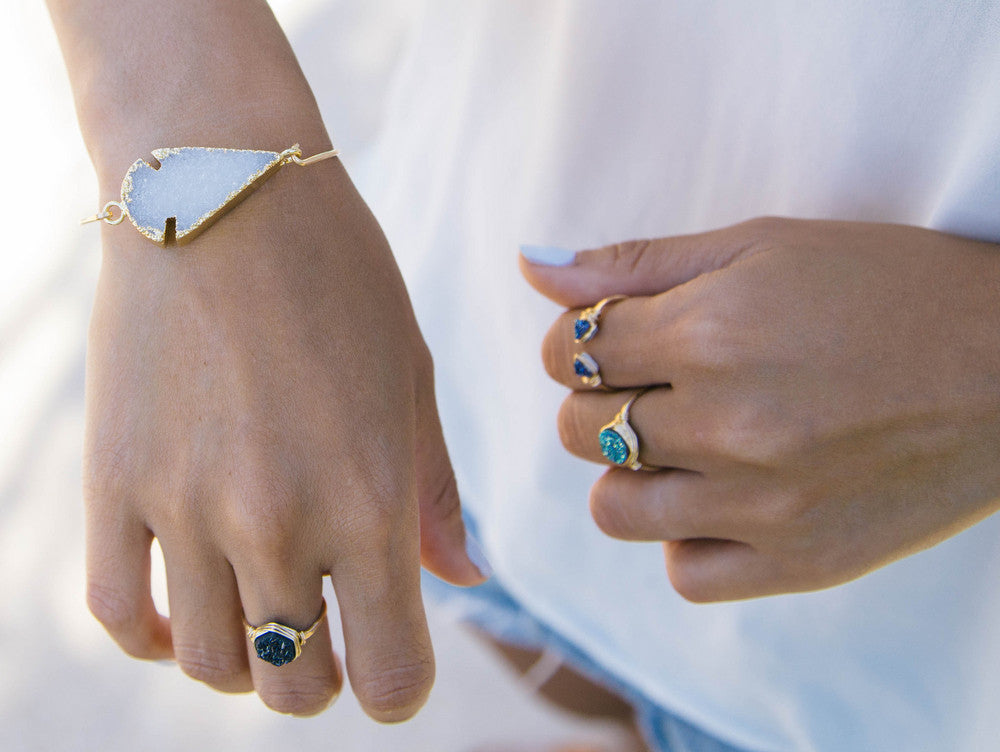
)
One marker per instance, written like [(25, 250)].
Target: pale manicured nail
[(547, 255), (475, 553)]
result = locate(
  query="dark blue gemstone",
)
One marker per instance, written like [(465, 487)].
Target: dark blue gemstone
[(580, 328), (581, 369), (274, 648)]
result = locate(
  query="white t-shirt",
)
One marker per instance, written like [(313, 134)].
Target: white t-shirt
[(581, 122)]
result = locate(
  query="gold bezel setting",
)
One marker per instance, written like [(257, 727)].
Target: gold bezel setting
[(161, 202)]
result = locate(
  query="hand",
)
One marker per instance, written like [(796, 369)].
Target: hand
[(261, 401), (827, 396)]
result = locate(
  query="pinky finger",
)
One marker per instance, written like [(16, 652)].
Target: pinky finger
[(705, 570), (118, 592)]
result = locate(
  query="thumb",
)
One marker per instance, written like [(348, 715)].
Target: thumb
[(635, 267), (445, 549)]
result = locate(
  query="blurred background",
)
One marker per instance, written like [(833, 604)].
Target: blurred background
[(63, 684)]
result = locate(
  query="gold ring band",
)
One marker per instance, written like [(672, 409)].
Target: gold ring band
[(618, 440), (279, 644), (585, 326), (587, 369)]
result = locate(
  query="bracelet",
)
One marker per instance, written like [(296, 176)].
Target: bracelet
[(192, 187)]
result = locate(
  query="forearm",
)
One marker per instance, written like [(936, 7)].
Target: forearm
[(146, 73)]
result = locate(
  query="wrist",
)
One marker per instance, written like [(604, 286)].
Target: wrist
[(116, 140), (149, 74), (253, 229)]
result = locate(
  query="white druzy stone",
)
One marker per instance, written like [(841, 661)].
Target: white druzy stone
[(193, 186)]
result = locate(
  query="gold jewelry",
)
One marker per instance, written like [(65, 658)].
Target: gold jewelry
[(587, 369), (279, 644), (618, 439), (192, 186), (585, 326)]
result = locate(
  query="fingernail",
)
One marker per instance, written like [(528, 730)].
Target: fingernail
[(475, 553), (547, 255)]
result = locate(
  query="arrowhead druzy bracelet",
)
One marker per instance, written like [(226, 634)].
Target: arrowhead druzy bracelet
[(192, 187)]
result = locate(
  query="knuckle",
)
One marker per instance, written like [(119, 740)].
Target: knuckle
[(424, 375), (107, 474), (374, 475), (122, 618), (723, 435), (704, 342), (609, 514), (302, 695), (377, 532), (806, 568), (764, 227), (396, 693), (569, 424), (383, 501), (266, 519), (792, 510), (112, 607), (803, 533), (751, 433), (444, 500), (554, 352), (686, 578), (769, 437), (216, 668), (688, 587), (423, 364), (186, 512), (630, 256)]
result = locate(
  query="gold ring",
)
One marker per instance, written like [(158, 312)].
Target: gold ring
[(279, 644), (585, 326), (618, 440), (587, 369)]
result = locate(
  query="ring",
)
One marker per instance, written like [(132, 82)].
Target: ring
[(587, 369), (585, 326), (279, 644), (619, 444)]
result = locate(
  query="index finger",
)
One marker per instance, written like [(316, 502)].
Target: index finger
[(631, 347)]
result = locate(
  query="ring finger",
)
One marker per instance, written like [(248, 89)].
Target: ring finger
[(292, 597)]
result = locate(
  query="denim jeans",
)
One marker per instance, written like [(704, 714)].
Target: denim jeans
[(491, 608)]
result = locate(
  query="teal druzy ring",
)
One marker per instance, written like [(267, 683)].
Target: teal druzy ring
[(619, 443), (279, 644)]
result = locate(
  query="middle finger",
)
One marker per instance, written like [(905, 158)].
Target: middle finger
[(661, 418), (205, 617)]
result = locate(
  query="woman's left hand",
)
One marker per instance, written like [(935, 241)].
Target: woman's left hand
[(826, 396)]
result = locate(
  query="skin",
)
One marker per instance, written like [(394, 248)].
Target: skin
[(806, 442), (260, 400), (827, 396)]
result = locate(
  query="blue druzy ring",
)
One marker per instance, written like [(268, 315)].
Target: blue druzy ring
[(585, 326), (279, 644), (619, 444), (587, 369)]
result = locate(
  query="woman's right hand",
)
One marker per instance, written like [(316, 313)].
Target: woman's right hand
[(261, 401)]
